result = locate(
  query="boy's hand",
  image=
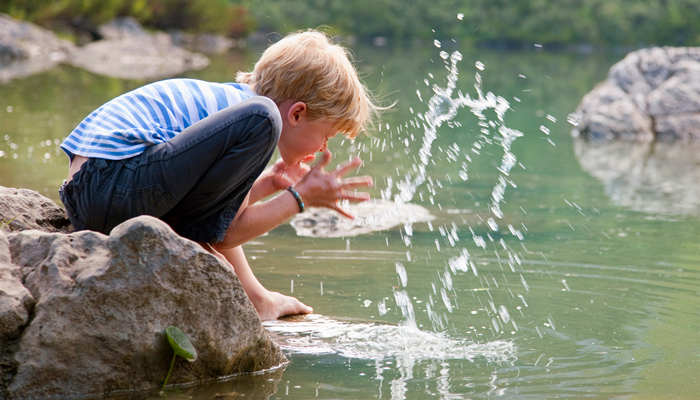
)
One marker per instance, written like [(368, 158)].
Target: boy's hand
[(323, 189), (285, 175)]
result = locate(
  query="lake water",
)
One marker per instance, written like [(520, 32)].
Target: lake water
[(570, 272)]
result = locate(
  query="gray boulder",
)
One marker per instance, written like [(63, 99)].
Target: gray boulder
[(26, 49), (137, 56), (83, 314), (127, 52), (652, 94), (22, 209)]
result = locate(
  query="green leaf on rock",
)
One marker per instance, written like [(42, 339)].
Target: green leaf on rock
[(180, 343)]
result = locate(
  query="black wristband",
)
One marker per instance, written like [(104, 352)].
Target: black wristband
[(297, 197)]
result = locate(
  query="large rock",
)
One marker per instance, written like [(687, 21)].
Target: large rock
[(84, 314), (15, 300), (22, 209), (27, 49), (652, 94), (139, 56), (128, 51)]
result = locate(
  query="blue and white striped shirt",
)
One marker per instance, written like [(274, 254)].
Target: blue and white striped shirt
[(126, 125)]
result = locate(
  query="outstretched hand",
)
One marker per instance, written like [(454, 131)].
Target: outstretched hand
[(285, 175), (324, 189)]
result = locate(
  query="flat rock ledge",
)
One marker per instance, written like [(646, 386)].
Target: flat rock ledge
[(82, 314), (370, 216), (651, 95)]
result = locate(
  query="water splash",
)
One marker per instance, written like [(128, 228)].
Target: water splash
[(442, 109), (317, 334)]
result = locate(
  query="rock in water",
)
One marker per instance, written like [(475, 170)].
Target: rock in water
[(87, 312), (370, 216), (652, 94), (27, 49)]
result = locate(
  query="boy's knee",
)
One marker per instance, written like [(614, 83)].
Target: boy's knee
[(264, 106)]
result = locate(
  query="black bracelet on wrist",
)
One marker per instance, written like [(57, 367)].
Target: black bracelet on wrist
[(297, 197)]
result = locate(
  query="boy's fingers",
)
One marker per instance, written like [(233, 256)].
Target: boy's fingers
[(357, 181), (347, 167), (341, 211), (325, 159), (355, 197)]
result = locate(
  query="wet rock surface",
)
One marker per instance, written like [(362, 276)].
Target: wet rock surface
[(370, 216), (83, 314), (652, 94)]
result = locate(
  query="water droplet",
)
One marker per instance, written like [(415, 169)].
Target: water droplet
[(492, 224), (504, 314), (401, 271), (566, 286), (460, 16), (381, 307), (444, 55), (437, 43), (480, 66), (573, 119), (544, 129), (539, 46)]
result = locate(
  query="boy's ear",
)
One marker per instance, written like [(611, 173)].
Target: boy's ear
[(296, 112)]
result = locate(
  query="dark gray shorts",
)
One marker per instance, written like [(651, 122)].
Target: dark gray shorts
[(195, 182)]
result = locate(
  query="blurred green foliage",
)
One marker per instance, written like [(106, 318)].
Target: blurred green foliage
[(509, 23), (503, 23), (218, 16)]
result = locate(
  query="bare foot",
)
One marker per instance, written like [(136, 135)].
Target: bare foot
[(274, 305)]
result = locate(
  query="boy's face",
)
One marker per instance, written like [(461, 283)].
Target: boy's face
[(302, 137)]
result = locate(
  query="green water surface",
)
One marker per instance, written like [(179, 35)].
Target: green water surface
[(601, 298)]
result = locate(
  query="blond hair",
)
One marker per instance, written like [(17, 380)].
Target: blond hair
[(306, 66)]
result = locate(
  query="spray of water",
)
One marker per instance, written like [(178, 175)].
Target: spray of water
[(442, 109)]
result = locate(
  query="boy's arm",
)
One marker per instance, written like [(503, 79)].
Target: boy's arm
[(278, 177), (317, 188), (269, 305)]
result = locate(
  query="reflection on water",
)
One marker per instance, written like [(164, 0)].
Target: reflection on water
[(656, 177)]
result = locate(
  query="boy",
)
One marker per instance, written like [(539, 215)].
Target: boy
[(192, 153)]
